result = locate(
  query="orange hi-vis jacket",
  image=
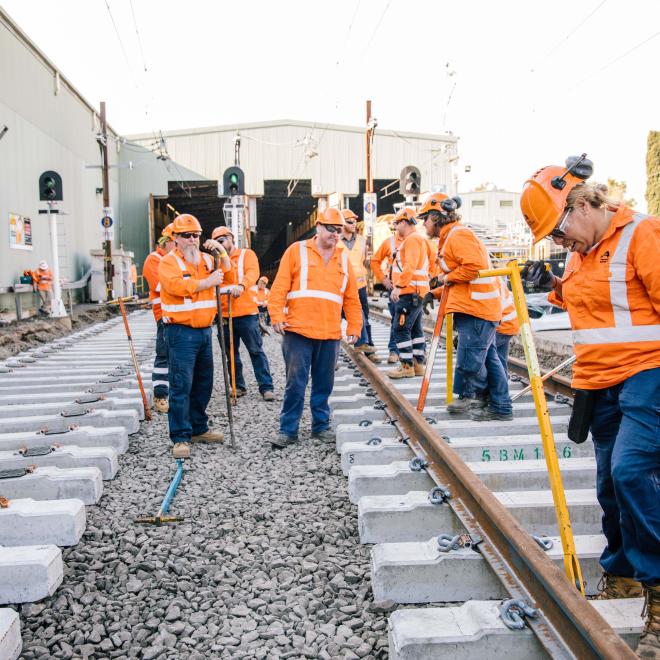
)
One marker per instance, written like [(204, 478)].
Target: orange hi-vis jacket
[(179, 301), (612, 296), (246, 266), (461, 255), (385, 252), (261, 296), (509, 324), (356, 256), (410, 270), (43, 279), (309, 294), (150, 273)]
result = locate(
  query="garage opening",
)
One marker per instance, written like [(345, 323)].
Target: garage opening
[(385, 201)]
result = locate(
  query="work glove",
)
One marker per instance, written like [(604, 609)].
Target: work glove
[(538, 274), (434, 283), (428, 301)]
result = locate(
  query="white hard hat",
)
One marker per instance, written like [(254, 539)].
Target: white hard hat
[(43, 265)]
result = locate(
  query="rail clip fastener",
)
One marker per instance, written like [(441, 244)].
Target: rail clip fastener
[(544, 542), (514, 610), (417, 464), (13, 473), (364, 422), (439, 495), (374, 441)]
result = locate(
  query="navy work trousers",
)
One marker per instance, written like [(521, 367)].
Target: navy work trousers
[(365, 336), (477, 351), (159, 375), (391, 345), (626, 432), (303, 356), (409, 335), (246, 329), (190, 364)]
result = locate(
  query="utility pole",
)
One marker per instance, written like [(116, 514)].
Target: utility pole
[(107, 211), (370, 210)]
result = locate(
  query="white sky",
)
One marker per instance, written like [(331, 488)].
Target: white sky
[(534, 81)]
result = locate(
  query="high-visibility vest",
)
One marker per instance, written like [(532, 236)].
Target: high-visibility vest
[(356, 256), (412, 253), (509, 324), (44, 279), (309, 294), (261, 296), (247, 271), (460, 256), (612, 295), (180, 302), (150, 273), (385, 253)]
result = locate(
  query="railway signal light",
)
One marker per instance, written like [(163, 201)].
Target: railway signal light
[(233, 182), (50, 187), (410, 181)]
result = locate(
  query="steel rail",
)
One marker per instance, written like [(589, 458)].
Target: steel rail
[(566, 626)]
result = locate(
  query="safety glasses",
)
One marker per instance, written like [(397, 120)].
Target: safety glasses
[(190, 234), (333, 229), (559, 231), (349, 222)]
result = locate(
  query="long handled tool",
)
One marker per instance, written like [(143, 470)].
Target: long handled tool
[(545, 377), (426, 381), (162, 517), (232, 357), (136, 366), (223, 351)]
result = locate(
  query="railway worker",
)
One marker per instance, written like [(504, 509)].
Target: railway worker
[(188, 303), (262, 293), (150, 271), (385, 254), (244, 313), (477, 310), (611, 289), (356, 247), (314, 283), (410, 279), (43, 283), (509, 326)]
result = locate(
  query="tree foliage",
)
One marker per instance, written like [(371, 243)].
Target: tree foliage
[(617, 190), (653, 173)]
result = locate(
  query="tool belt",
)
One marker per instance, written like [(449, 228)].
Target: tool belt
[(582, 415)]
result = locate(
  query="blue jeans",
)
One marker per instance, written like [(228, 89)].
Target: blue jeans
[(409, 336), (392, 343), (476, 351), (246, 328), (365, 335), (302, 355), (159, 378), (190, 363), (626, 432), (502, 346)]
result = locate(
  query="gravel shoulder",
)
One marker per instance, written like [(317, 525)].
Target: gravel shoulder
[(267, 563)]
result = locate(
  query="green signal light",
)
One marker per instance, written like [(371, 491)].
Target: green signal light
[(233, 178)]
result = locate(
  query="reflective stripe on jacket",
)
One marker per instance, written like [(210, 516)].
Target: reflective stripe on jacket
[(612, 296), (246, 266), (180, 302), (44, 279), (150, 273), (410, 269), (461, 255), (385, 253), (509, 324), (356, 256), (309, 294), (261, 296)]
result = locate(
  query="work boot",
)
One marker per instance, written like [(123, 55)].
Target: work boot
[(488, 415), (363, 348), (268, 395), (402, 371), (282, 441), (161, 405), (649, 640), (420, 368), (240, 393), (373, 357), (210, 437), (616, 586), (460, 405), (392, 358), (327, 435), (181, 450)]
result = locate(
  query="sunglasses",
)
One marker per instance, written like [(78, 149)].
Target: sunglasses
[(349, 222), (190, 234), (560, 230), (333, 229)]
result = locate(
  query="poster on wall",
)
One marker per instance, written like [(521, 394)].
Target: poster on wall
[(20, 232)]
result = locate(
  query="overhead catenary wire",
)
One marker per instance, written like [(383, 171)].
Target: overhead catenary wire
[(137, 34)]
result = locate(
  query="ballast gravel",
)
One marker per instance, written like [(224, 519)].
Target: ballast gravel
[(267, 563)]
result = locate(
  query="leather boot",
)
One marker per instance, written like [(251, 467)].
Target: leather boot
[(402, 371), (616, 586), (419, 367), (649, 640)]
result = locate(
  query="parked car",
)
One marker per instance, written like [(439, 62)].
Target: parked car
[(548, 318)]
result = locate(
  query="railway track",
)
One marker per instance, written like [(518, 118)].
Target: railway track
[(460, 515)]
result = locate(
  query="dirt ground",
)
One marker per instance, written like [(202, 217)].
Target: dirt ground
[(30, 333)]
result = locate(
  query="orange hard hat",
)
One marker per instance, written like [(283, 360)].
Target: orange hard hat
[(218, 232), (406, 214), (330, 217), (347, 214), (263, 279), (432, 203), (184, 223), (167, 231), (544, 194)]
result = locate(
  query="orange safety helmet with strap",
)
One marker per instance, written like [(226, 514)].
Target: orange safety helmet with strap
[(219, 232), (544, 194), (185, 223), (330, 216), (347, 214), (440, 203)]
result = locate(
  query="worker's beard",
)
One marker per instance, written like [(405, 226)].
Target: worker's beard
[(191, 254)]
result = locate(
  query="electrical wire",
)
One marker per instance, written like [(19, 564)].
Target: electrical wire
[(373, 34), (137, 33), (121, 44)]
